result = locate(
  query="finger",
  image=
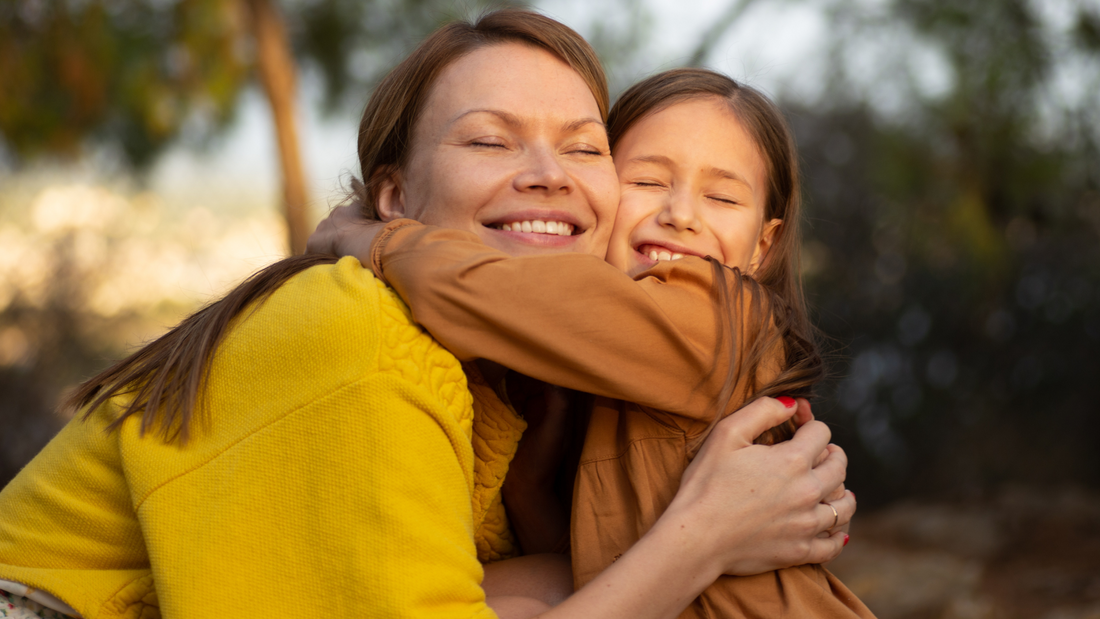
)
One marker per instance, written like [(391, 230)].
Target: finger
[(825, 549), (839, 493), (832, 472), (828, 516), (320, 242), (845, 508), (810, 440), (346, 213), (752, 420), (804, 414)]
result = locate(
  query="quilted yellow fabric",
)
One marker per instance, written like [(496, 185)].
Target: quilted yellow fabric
[(343, 458)]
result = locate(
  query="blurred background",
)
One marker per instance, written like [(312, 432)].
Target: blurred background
[(155, 152)]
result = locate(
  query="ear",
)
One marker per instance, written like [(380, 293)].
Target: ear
[(391, 195), (767, 236)]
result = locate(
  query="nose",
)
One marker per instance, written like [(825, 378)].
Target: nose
[(680, 212), (543, 173)]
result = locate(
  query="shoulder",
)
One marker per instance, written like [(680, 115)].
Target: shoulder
[(340, 320), (325, 311)]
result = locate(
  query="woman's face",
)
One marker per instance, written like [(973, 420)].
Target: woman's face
[(511, 147), (693, 183)]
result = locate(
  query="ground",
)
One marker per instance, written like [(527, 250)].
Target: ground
[(1022, 553)]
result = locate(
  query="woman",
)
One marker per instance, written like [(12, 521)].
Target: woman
[(336, 450)]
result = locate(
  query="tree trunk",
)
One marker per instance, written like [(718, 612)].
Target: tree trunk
[(277, 74)]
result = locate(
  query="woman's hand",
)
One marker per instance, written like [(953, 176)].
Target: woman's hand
[(741, 509), (764, 504), (344, 233)]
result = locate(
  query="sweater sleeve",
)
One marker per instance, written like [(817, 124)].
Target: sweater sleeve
[(568, 319)]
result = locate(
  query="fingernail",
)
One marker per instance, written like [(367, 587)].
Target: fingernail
[(846, 538), (787, 401), (853, 494)]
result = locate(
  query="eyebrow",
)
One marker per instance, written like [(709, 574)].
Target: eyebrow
[(515, 121), (665, 161)]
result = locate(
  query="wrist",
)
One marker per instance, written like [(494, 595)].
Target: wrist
[(378, 244), (690, 540)]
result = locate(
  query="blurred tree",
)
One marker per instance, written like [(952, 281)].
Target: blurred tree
[(954, 249), (141, 74)]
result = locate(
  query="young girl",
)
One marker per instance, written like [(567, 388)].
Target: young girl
[(707, 228)]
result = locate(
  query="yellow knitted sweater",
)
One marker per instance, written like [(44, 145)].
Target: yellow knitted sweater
[(343, 462)]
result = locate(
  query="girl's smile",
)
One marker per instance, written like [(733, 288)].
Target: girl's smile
[(693, 183)]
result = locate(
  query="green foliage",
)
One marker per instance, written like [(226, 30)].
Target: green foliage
[(141, 74), (134, 74)]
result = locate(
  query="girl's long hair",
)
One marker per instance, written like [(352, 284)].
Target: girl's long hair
[(165, 377), (771, 300)]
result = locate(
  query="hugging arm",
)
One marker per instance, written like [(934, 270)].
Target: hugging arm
[(568, 319)]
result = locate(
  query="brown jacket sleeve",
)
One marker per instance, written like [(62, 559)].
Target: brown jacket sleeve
[(568, 319)]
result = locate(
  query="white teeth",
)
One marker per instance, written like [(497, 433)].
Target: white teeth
[(662, 255), (559, 228)]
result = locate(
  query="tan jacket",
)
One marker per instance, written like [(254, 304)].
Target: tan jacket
[(651, 347)]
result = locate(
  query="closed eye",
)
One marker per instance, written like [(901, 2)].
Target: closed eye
[(586, 149)]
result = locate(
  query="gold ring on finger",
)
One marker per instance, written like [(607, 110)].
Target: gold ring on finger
[(836, 516)]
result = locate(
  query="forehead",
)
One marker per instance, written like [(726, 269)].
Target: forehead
[(700, 133), (518, 79)]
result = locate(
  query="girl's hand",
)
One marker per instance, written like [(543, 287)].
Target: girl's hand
[(344, 233), (758, 508)]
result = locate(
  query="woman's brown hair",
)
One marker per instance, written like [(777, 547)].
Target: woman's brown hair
[(775, 302), (165, 377)]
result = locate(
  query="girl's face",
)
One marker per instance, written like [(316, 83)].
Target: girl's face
[(693, 183), (510, 146)]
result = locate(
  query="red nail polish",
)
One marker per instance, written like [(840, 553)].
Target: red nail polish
[(786, 401), (846, 538)]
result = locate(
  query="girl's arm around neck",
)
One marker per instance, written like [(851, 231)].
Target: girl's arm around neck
[(568, 319)]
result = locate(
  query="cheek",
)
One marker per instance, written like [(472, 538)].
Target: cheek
[(632, 212), (634, 208), (437, 195), (738, 240), (604, 193)]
